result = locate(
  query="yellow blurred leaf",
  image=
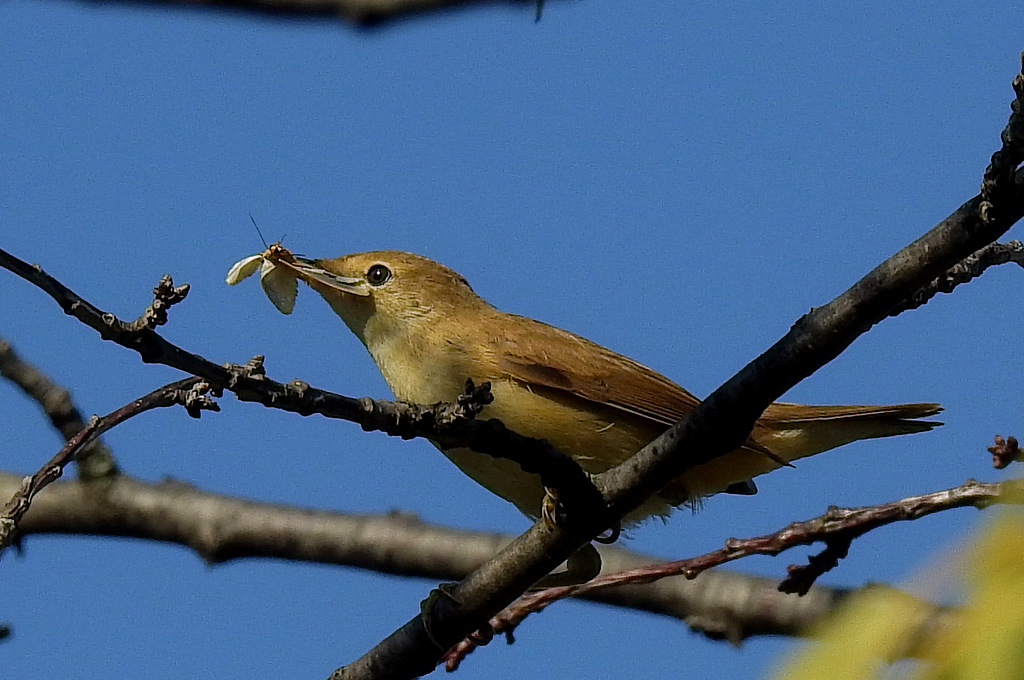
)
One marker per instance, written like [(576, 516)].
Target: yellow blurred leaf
[(982, 639)]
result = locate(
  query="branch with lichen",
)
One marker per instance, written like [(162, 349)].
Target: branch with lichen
[(965, 270)]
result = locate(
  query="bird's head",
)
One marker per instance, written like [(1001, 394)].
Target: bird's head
[(383, 293)]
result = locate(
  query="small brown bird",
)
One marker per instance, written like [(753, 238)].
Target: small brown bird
[(428, 332)]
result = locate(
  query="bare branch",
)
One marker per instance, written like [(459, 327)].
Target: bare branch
[(719, 604), (970, 267), (165, 296), (999, 188), (717, 426), (190, 393)]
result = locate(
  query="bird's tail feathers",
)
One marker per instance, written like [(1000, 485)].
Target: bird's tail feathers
[(794, 431)]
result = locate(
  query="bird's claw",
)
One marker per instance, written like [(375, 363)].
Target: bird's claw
[(552, 513), (549, 508)]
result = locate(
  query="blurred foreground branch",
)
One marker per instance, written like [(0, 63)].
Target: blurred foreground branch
[(95, 460), (720, 604)]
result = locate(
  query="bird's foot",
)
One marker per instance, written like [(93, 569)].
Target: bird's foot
[(553, 514)]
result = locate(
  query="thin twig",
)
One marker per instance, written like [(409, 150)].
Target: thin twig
[(837, 528), (190, 393), (970, 267), (165, 296), (95, 460)]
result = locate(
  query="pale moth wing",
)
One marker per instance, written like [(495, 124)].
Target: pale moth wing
[(278, 282), (279, 272), (280, 285), (243, 269)]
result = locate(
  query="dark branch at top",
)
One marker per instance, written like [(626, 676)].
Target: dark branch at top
[(361, 13)]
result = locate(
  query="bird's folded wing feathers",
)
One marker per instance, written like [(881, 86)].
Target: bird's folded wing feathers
[(589, 371)]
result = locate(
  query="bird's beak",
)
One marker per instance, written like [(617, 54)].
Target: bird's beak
[(313, 274)]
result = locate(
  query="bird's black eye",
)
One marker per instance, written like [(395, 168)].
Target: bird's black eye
[(378, 275)]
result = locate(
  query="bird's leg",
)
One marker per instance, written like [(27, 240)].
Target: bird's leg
[(553, 515), (549, 508)]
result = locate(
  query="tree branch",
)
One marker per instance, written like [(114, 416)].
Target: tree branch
[(963, 271), (719, 604), (190, 393), (717, 426), (838, 526)]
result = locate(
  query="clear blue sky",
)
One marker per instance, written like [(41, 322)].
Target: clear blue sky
[(678, 181)]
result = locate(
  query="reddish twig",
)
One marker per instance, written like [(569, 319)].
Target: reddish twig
[(837, 528)]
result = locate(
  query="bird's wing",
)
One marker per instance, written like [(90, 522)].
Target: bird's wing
[(559, 360)]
